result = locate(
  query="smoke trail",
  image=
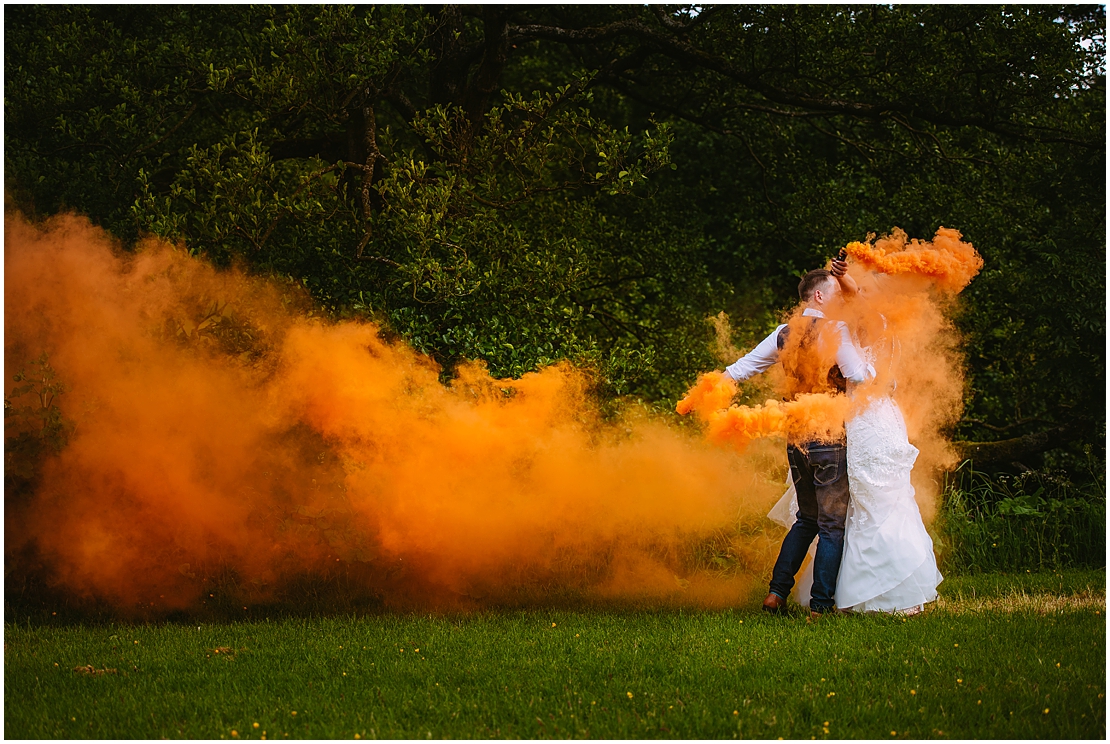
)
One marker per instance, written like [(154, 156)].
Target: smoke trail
[(948, 262), (739, 425), (712, 392), (723, 347), (808, 417), (223, 433), (901, 319)]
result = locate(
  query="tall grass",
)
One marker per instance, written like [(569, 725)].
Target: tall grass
[(1032, 521)]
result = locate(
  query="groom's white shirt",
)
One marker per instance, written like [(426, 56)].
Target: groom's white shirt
[(766, 354)]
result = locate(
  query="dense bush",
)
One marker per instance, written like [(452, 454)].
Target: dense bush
[(1034, 521), (534, 183)]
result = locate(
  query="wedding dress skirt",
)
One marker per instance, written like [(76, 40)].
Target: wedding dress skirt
[(888, 562)]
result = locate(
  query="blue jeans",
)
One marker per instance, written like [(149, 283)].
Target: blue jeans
[(820, 475)]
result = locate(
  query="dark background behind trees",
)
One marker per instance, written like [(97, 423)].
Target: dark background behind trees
[(528, 184)]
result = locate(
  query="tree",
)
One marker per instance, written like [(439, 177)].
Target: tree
[(829, 123), (491, 180)]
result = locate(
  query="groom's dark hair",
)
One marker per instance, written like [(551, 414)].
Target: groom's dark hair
[(811, 282)]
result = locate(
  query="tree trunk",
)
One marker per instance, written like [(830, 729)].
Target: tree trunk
[(1007, 451)]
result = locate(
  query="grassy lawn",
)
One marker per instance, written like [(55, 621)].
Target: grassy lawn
[(1001, 656)]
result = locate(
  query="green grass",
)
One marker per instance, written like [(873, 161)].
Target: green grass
[(960, 670), (1075, 583)]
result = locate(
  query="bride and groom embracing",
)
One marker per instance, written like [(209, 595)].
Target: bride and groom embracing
[(854, 495)]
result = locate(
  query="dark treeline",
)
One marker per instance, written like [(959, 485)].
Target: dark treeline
[(528, 184)]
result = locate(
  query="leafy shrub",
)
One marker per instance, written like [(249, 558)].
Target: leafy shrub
[(1032, 521)]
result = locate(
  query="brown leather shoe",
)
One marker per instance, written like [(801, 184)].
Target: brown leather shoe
[(774, 603)]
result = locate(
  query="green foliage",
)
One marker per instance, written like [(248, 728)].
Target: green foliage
[(485, 259), (780, 184), (1035, 521), (228, 199), (496, 182)]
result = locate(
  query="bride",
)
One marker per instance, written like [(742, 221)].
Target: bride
[(888, 563)]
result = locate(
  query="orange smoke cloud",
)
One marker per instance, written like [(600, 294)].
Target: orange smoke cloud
[(712, 392), (223, 434), (900, 322), (903, 318), (948, 262), (739, 425), (809, 417)]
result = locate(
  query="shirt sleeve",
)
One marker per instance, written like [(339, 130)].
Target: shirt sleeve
[(758, 359), (848, 358)]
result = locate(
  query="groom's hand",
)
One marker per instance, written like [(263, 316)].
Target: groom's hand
[(839, 271)]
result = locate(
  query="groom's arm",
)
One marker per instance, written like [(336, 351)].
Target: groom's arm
[(839, 270), (759, 359)]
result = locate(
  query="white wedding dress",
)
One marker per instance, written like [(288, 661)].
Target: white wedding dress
[(888, 563)]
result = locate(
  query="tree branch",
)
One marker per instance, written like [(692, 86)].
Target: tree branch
[(1008, 451), (401, 103), (370, 167), (667, 20), (682, 51), (495, 53), (168, 134)]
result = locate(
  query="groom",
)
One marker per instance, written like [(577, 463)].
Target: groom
[(818, 469)]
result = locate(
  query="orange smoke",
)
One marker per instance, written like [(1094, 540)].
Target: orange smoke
[(220, 433), (948, 262), (904, 319), (739, 425), (809, 417), (712, 392), (900, 321)]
